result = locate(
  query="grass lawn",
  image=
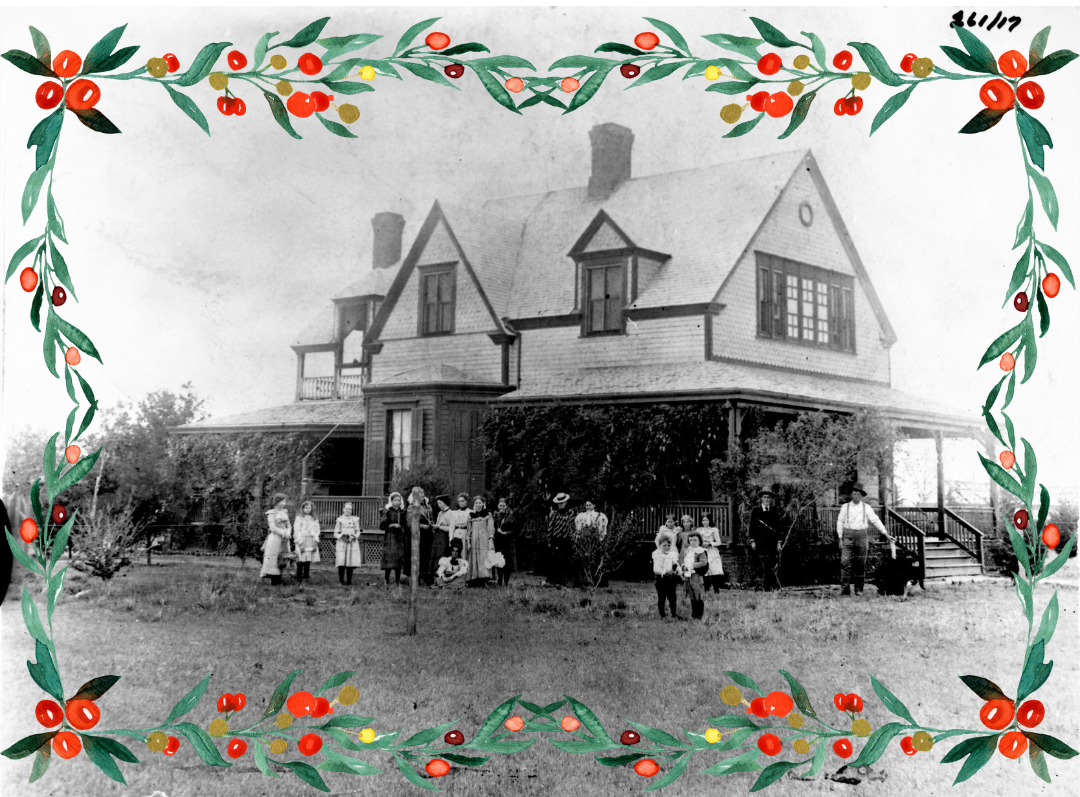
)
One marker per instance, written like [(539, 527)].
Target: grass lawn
[(164, 627)]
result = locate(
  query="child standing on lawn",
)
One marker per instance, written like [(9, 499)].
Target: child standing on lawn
[(306, 541), (695, 566), (666, 569), (347, 549)]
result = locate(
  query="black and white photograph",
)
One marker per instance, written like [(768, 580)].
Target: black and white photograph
[(539, 400)]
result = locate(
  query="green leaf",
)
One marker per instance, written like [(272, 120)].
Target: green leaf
[(103, 49), (980, 53), (998, 474), (335, 680), (188, 106), (1044, 313), (59, 264), (589, 87), (346, 721), (95, 687), (44, 673), (35, 501), (1051, 745), (113, 748), (982, 751), (1059, 259), (32, 189), (799, 694), (406, 767), (735, 739), (259, 753), (745, 681), (35, 305), (1038, 762), (743, 128), (115, 61), (1038, 46), (819, 761), (41, 764), (776, 39), (1023, 592), (1035, 673), (202, 744), (467, 47), (96, 121), (20, 255), (256, 62), (657, 735), (77, 471), (277, 700), (802, 108), (56, 586), (743, 45), (733, 86), (658, 72), (48, 463), (1001, 344), (24, 558), (41, 47), (734, 67), (100, 757), (876, 64), (277, 107), (891, 701), (589, 720), (413, 32), (1049, 621), (1047, 195), (465, 760), (504, 62), (46, 143), (351, 766), (306, 772), (28, 63), (877, 743), (583, 62), (31, 618), (495, 88), (56, 222), (203, 64), (891, 106), (1058, 560), (983, 121), (673, 34), (347, 87), (818, 47), (731, 721), (1009, 427), (773, 773), (342, 70), (306, 35), (1031, 469), (1019, 273), (1052, 63), (991, 397), (49, 342), (28, 745), (616, 47), (672, 774), (428, 735), (553, 706), (494, 721), (504, 747), (335, 128), (1020, 549), (1035, 137), (747, 762), (619, 760), (348, 44), (578, 747), (70, 419), (427, 73)]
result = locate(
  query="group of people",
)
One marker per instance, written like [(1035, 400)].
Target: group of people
[(557, 555), (690, 555)]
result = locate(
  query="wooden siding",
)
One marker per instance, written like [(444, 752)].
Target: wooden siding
[(376, 408), (474, 354)]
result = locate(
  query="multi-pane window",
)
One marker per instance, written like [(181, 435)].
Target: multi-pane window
[(437, 302), (398, 440), (604, 298), (805, 304)]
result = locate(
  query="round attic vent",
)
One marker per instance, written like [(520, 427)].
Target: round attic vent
[(806, 214)]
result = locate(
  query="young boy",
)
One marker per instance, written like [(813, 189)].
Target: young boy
[(666, 568)]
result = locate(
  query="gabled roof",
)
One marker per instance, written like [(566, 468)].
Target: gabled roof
[(430, 374), (313, 416), (322, 331), (375, 283)]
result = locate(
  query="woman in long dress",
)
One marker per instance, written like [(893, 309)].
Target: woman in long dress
[(347, 547), (459, 518), (277, 540), (710, 541), (506, 530), (306, 540), (440, 531), (481, 533), (395, 552)]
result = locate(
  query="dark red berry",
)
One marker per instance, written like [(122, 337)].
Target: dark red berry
[(630, 71), (907, 61), (1021, 302), (1021, 519), (630, 737), (454, 737), (454, 70), (59, 514), (59, 296), (225, 105), (853, 105)]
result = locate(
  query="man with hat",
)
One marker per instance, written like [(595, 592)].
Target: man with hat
[(560, 549), (765, 538), (852, 526)]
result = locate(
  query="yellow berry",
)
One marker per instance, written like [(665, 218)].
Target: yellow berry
[(156, 742), (861, 80), (795, 720), (284, 720), (712, 72), (795, 88), (921, 67), (278, 746), (218, 80), (157, 67), (860, 727), (801, 61), (277, 61), (802, 747), (367, 72), (922, 741), (349, 694), (730, 114), (284, 88), (367, 736), (349, 113), (730, 694), (712, 735), (218, 727)]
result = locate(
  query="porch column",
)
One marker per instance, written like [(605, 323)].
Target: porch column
[(299, 374), (305, 478), (989, 444), (939, 444)]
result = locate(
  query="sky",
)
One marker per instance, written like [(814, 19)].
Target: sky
[(198, 259)]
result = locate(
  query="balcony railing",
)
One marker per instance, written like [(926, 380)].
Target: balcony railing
[(318, 388)]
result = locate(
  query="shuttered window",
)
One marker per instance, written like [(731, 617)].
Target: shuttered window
[(804, 304), (604, 299), (437, 301), (399, 441)]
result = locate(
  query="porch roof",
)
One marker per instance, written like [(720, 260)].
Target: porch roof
[(304, 416)]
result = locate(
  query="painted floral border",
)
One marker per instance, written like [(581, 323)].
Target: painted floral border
[(773, 733)]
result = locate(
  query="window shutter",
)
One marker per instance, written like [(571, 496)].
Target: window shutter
[(417, 453), (375, 476), (779, 319), (836, 316), (849, 317), (764, 302)]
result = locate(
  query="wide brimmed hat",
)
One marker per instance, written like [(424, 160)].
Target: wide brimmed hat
[(766, 492), (561, 498), (857, 487), (444, 498)]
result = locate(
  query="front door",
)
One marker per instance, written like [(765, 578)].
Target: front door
[(468, 470)]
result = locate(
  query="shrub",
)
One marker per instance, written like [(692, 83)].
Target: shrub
[(595, 559), (428, 475), (105, 542)]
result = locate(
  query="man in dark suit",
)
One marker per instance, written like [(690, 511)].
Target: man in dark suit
[(765, 539)]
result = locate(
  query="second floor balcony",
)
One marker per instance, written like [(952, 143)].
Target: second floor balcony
[(321, 388)]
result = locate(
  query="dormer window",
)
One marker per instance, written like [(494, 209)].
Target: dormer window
[(604, 297), (437, 293), (804, 304)]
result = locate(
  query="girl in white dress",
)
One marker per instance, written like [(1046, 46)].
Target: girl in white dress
[(306, 540), (347, 553), (710, 541), (277, 540)]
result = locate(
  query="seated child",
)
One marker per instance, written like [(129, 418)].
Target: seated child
[(452, 569)]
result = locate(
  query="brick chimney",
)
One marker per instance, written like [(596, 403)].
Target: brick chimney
[(386, 249), (611, 146)]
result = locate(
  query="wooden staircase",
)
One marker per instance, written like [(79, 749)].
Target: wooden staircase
[(945, 559), (953, 552)]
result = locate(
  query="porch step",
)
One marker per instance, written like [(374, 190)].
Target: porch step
[(945, 559)]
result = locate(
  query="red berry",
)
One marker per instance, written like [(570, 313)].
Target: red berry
[(49, 94), (758, 100), (59, 514), (997, 714), (82, 715), (630, 737), (322, 100), (172, 746), (309, 744), (82, 95), (454, 737), (236, 748), (28, 279), (225, 703), (757, 707), (630, 71), (237, 60), (1012, 64), (300, 704), (1051, 284), (646, 41), (454, 70), (59, 296), (66, 63), (322, 707), (28, 531), (300, 104), (1007, 363), (852, 105), (50, 715), (779, 104), (72, 356), (569, 84), (646, 767), (842, 60), (769, 64), (1051, 536), (66, 744), (174, 64), (1020, 519), (72, 453), (1030, 95), (853, 703), (226, 106), (437, 41), (309, 64), (570, 724), (842, 747), (239, 108), (1020, 302), (770, 744), (907, 61), (514, 84), (838, 700), (514, 724), (907, 746), (436, 767), (1031, 713), (997, 95), (1007, 458), (779, 704), (839, 107), (1013, 744)]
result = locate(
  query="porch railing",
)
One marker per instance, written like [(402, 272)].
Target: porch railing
[(964, 534), (650, 519), (317, 388), (328, 508), (908, 536)]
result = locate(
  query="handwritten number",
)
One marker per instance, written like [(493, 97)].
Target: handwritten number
[(999, 20)]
